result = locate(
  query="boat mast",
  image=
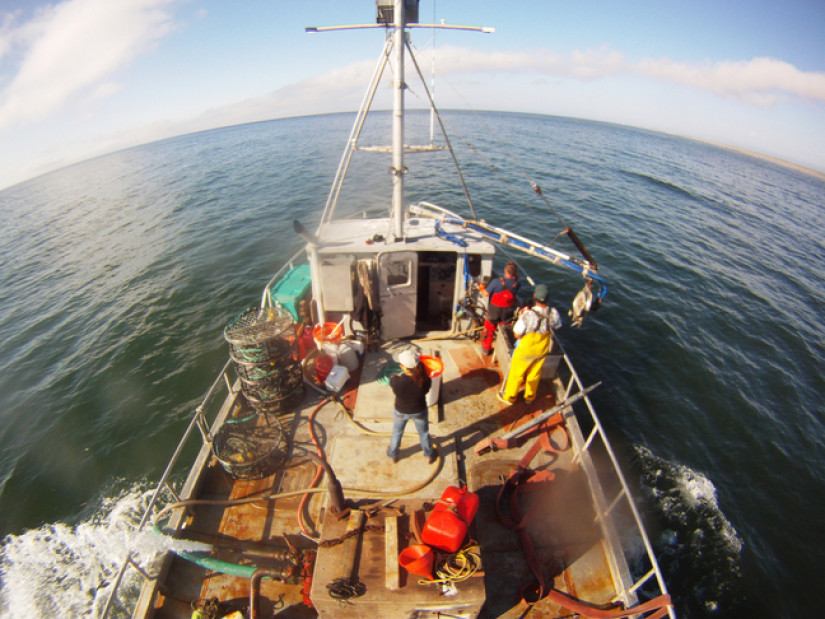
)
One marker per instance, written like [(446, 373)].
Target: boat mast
[(391, 14), (398, 170)]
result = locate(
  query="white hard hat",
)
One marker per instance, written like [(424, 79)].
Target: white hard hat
[(408, 358)]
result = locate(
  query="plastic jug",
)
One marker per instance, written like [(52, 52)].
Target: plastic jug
[(447, 525)]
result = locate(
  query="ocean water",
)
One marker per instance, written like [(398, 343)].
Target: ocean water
[(118, 274)]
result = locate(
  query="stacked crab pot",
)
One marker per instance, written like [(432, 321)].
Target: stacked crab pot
[(264, 349)]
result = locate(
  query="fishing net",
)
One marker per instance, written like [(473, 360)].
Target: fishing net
[(264, 350), (387, 369)]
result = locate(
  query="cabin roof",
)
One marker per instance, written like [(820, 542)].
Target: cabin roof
[(369, 236)]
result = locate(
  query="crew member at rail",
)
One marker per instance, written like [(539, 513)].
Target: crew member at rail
[(502, 304), (534, 332), (410, 389)]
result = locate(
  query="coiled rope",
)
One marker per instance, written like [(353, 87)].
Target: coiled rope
[(456, 567)]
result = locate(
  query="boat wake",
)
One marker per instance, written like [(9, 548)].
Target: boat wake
[(698, 549), (61, 570)]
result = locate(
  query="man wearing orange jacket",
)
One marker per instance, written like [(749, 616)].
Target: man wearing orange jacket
[(502, 304)]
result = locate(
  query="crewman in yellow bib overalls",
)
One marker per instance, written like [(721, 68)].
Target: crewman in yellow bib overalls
[(534, 332)]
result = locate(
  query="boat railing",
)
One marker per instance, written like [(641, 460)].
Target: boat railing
[(620, 495), (224, 387)]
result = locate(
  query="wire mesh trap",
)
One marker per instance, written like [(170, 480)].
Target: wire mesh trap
[(264, 349), (252, 447)]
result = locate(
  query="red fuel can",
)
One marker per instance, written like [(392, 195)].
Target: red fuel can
[(323, 365), (447, 525), (466, 503)]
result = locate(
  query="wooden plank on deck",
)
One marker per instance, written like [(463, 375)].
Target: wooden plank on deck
[(392, 573)]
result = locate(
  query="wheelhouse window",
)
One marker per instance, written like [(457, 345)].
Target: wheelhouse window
[(399, 273)]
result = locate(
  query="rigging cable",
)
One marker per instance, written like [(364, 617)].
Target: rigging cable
[(443, 132), (534, 186), (456, 567)]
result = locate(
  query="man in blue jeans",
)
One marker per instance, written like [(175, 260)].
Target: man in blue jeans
[(410, 389)]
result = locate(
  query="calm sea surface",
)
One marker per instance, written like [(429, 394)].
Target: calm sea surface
[(117, 276)]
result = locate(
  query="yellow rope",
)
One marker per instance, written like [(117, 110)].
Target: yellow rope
[(456, 567)]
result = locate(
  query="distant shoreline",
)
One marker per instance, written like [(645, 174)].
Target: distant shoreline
[(776, 160)]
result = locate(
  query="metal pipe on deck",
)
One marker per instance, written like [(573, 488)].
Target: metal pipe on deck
[(495, 442), (336, 492), (255, 587)]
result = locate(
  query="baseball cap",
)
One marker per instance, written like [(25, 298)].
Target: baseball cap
[(408, 358)]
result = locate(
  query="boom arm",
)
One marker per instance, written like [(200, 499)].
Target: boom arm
[(586, 268)]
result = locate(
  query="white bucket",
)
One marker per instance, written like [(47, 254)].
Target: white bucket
[(348, 357), (332, 350), (435, 389)]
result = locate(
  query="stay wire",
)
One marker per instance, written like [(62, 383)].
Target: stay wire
[(535, 187)]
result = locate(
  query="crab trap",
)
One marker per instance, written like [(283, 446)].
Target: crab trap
[(251, 448), (264, 351)]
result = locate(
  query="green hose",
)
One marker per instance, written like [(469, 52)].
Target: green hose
[(216, 565), (211, 563)]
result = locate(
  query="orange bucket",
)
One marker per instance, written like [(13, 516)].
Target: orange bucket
[(328, 332), (417, 559), (434, 365)]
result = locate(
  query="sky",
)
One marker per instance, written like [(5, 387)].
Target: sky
[(80, 78)]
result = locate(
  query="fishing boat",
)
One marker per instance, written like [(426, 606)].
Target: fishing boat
[(292, 503)]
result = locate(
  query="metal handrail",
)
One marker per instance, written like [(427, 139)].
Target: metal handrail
[(624, 492), (196, 422)]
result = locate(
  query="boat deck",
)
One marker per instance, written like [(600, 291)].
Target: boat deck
[(568, 540)]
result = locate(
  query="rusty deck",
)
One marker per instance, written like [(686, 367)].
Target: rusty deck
[(565, 533)]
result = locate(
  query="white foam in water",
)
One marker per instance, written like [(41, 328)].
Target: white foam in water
[(699, 493), (67, 571), (697, 544)]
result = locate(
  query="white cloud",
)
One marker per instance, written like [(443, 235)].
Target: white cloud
[(68, 49), (72, 50), (760, 81), (12, 34), (337, 90)]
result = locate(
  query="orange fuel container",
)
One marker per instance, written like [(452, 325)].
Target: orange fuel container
[(447, 525)]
